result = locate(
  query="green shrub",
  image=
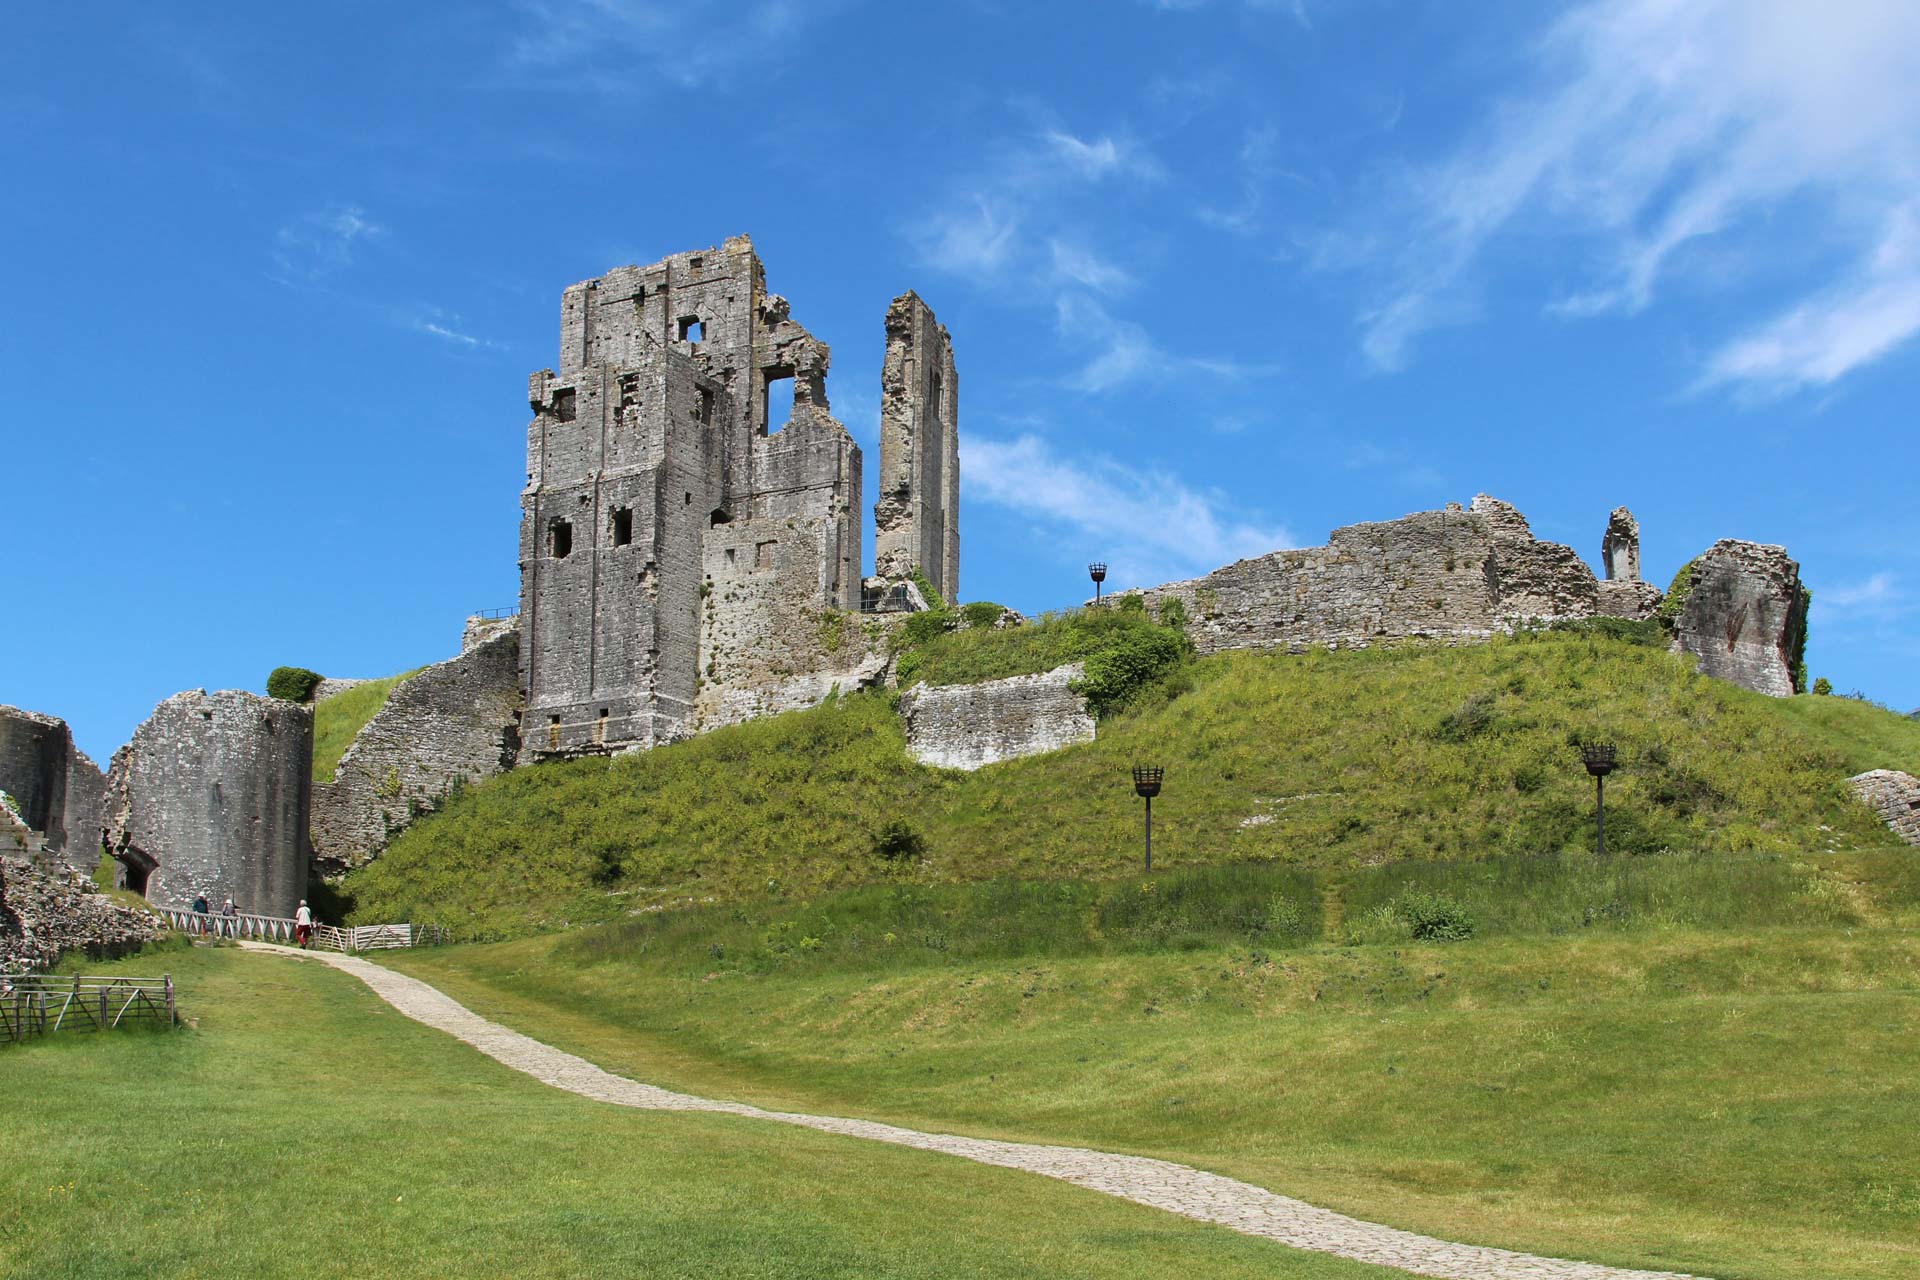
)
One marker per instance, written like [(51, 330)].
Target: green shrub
[(982, 613), (1434, 917), (295, 684), (1677, 591), (1135, 659), (1647, 631), (1173, 613), (1823, 688), (899, 842)]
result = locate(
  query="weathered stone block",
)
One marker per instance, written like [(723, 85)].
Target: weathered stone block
[(1895, 796), (212, 795), (968, 726), (1743, 613), (455, 723)]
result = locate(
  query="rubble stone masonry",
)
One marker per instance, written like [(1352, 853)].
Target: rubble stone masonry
[(454, 723)]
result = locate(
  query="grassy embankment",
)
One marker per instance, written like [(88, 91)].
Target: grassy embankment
[(337, 719), (1327, 761), (305, 1128), (1672, 1062)]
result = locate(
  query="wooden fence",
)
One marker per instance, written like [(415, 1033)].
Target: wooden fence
[(326, 937), (44, 1003)]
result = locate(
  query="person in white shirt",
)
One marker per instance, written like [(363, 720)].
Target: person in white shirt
[(302, 924)]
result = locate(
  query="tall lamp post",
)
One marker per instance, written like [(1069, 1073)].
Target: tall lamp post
[(1146, 785), (1599, 757), (1098, 572)]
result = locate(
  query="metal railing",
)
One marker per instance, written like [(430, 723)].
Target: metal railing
[(45, 1003), (326, 937), (494, 615)]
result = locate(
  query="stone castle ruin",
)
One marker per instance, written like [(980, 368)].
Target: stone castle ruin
[(677, 549), (686, 562)]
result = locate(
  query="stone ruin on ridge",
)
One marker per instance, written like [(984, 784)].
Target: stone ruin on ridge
[(687, 563), (683, 561)]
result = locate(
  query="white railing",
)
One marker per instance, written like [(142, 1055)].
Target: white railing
[(326, 937)]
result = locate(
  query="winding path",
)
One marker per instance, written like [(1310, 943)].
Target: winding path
[(1160, 1184)]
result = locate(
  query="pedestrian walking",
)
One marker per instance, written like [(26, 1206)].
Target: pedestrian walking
[(229, 920), (200, 910), (302, 925)]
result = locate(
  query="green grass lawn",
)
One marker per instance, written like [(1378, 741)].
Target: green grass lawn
[(1742, 1102), (337, 719), (306, 1129), (1322, 760)]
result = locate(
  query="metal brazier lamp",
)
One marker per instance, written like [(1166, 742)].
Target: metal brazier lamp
[(1599, 757), (1146, 785), (1098, 572)]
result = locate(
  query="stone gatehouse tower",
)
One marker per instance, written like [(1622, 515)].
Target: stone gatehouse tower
[(672, 540)]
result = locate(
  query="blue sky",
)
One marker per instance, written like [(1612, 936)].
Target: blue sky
[(1221, 276)]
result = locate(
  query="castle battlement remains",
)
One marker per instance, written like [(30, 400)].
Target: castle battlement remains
[(676, 547)]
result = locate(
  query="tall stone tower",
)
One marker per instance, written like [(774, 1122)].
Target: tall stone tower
[(654, 486), (917, 517)]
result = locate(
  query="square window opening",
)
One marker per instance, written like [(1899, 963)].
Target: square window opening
[(565, 405), (692, 329), (560, 538), (622, 526), (763, 555)]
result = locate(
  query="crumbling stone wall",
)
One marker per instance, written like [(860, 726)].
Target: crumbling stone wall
[(48, 911), (969, 726), (330, 685), (452, 724), (33, 769), (57, 787), (1464, 574), (1458, 573), (213, 794), (481, 628), (1743, 611), (917, 517), (86, 801), (1895, 796)]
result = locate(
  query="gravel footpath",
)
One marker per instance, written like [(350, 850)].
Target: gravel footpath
[(1160, 1184)]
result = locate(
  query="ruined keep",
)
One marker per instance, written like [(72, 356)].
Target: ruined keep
[(212, 794), (916, 521), (683, 561)]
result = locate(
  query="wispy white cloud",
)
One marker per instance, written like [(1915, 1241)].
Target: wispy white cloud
[(1821, 338), (436, 323), (1148, 525), (1117, 352), (317, 244), (1650, 124), (975, 239), (1083, 266), (1875, 597), (635, 46)]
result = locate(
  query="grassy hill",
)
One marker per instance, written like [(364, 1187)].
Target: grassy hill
[(1325, 762), (336, 720)]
